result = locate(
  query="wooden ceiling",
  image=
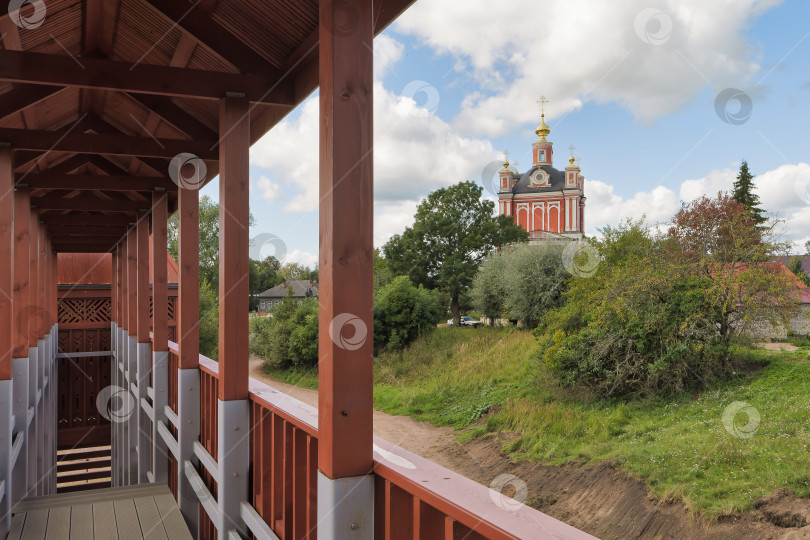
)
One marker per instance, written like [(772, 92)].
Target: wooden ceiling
[(97, 96)]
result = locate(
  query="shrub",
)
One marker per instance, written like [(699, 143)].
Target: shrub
[(290, 337), (403, 312), (520, 283)]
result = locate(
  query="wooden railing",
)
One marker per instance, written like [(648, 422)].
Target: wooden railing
[(414, 497)]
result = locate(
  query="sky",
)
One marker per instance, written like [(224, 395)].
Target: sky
[(661, 99)]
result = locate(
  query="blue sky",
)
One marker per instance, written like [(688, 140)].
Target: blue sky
[(632, 85)]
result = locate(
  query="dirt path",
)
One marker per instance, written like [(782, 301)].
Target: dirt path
[(598, 499)]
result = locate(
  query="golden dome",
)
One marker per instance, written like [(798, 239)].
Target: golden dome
[(542, 129), (506, 165), (571, 161)]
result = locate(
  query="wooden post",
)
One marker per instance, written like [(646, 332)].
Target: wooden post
[(345, 485), (233, 407), (234, 234), (188, 316), (346, 241), (160, 293), (143, 359), (160, 334), (130, 368), (22, 223), (6, 329), (188, 338), (33, 353), (6, 269)]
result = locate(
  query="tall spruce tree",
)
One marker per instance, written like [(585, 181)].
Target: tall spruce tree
[(744, 194)]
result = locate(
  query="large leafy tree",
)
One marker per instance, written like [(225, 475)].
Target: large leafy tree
[(521, 283), (743, 193), (454, 229), (721, 241)]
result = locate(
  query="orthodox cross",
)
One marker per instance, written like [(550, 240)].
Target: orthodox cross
[(571, 148), (578, 160), (542, 102)]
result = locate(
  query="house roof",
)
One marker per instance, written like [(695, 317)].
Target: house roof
[(804, 258), (301, 288), (556, 181)]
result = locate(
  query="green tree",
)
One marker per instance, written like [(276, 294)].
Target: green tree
[(209, 321), (288, 339), (293, 271), (403, 312), (520, 283), (743, 193), (454, 229)]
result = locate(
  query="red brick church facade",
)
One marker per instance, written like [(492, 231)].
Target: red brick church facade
[(545, 201)]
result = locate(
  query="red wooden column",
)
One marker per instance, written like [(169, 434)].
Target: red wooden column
[(160, 334), (188, 308), (188, 340), (345, 487), (22, 223), (233, 407), (143, 367), (234, 217), (6, 328), (6, 270)]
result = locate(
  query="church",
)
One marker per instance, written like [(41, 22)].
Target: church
[(546, 202)]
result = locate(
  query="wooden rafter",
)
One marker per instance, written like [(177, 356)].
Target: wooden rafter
[(101, 182), (52, 69), (108, 143)]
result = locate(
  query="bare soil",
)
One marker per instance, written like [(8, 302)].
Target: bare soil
[(596, 498)]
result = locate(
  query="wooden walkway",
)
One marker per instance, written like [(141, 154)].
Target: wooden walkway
[(146, 511)]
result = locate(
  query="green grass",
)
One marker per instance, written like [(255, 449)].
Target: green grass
[(489, 380)]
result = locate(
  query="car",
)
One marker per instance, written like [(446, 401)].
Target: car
[(467, 321)]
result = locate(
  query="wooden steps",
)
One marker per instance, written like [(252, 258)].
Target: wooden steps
[(83, 468)]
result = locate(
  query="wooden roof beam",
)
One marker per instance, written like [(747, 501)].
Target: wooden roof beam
[(166, 109), (93, 182), (107, 143), (22, 96), (53, 219), (89, 247), (89, 203), (89, 230), (59, 70), (199, 24)]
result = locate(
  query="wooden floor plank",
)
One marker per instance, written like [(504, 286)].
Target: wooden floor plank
[(81, 522), (104, 521), (173, 521), (35, 525), (126, 519), (89, 496), (58, 524), (149, 518), (17, 522)]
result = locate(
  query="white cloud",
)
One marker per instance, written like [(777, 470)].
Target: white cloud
[(270, 191), (301, 257), (575, 51), (415, 151), (784, 193), (392, 218)]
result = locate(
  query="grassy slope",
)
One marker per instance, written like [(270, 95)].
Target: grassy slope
[(679, 446)]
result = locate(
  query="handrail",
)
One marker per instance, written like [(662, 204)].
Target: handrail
[(458, 497)]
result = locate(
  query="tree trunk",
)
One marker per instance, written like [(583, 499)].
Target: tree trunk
[(454, 310)]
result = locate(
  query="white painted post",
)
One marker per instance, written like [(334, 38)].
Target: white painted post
[(160, 391), (188, 431), (19, 476), (233, 444)]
